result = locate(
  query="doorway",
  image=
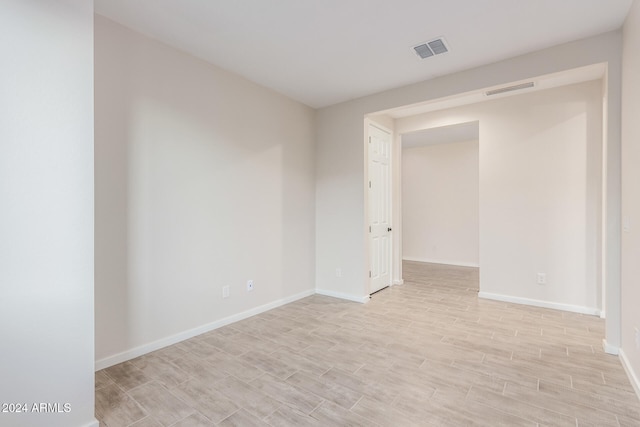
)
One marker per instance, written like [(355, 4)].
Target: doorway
[(440, 195)]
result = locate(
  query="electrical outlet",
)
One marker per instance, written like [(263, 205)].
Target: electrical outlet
[(225, 292), (542, 278), (338, 272), (249, 285)]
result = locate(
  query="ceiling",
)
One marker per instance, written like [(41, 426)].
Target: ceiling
[(322, 52)]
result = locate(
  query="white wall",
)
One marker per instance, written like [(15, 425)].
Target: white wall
[(630, 193), (340, 196), (440, 203), (46, 213), (540, 184), (203, 179)]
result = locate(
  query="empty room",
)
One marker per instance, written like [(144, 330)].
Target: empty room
[(362, 213)]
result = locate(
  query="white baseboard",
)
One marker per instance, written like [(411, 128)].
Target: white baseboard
[(633, 377), (610, 349), (340, 295), (398, 282), (603, 314), (439, 261), (156, 345), (540, 303), (94, 423)]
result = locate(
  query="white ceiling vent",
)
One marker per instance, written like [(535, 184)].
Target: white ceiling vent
[(431, 48), (509, 88)]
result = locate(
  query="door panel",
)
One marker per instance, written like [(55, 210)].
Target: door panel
[(379, 208)]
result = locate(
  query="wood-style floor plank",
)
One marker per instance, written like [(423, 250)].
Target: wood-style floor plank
[(428, 352)]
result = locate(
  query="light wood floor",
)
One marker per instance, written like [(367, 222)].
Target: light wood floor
[(425, 353)]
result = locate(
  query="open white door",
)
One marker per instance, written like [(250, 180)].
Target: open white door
[(379, 208)]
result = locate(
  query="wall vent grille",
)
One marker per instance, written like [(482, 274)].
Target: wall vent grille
[(509, 88)]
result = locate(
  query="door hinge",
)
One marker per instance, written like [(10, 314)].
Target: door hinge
[(369, 273), (369, 140), (369, 184), (369, 229)]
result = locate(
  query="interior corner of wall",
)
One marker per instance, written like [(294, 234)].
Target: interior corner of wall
[(631, 373)]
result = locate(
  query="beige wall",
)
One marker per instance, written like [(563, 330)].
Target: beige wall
[(46, 212), (540, 184), (203, 180), (440, 203), (631, 194)]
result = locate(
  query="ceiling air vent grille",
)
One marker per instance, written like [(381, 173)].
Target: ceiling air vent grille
[(431, 48), (509, 88)]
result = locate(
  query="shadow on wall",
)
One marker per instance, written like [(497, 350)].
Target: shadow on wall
[(203, 180)]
